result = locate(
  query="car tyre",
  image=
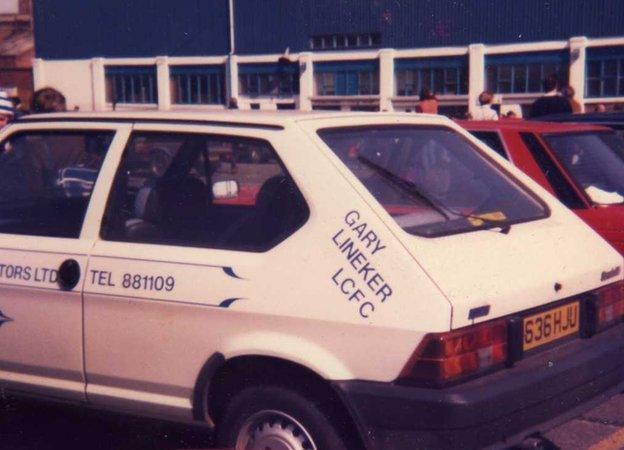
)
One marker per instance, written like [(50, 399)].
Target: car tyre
[(275, 418)]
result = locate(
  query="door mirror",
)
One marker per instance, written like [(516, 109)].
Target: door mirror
[(225, 189), (6, 147)]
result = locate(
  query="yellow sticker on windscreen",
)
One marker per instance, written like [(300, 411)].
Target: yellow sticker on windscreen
[(476, 220)]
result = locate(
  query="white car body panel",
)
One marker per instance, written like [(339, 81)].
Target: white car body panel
[(144, 348)]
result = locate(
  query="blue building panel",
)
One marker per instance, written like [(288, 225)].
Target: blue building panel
[(423, 23), (71, 29), (76, 29)]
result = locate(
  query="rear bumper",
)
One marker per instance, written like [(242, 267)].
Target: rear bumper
[(496, 410)]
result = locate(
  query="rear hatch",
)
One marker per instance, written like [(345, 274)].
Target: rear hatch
[(488, 274), (493, 241)]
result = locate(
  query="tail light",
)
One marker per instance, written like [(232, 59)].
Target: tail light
[(446, 357), (608, 306)]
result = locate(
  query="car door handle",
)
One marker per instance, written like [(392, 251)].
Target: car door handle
[(68, 274)]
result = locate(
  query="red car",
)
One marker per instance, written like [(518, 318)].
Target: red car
[(582, 165)]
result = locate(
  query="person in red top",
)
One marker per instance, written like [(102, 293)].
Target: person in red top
[(428, 102)]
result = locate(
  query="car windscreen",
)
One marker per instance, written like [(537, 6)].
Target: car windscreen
[(594, 160), (431, 179)]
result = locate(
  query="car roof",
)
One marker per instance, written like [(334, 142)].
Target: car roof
[(526, 125), (256, 119), (593, 117)]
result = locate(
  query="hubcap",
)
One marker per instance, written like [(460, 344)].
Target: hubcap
[(273, 430)]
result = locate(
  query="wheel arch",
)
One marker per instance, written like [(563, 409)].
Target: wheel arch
[(223, 378), (268, 359)]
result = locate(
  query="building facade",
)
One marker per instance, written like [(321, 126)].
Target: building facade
[(17, 49), (325, 54)]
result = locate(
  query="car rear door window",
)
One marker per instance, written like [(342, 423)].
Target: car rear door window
[(593, 160), (563, 190), (203, 191), (493, 140), (619, 130), (46, 180)]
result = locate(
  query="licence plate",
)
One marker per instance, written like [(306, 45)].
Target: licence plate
[(548, 326)]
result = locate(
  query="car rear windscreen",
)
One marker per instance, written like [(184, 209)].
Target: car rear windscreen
[(431, 179)]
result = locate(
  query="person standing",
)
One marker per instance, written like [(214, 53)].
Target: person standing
[(551, 102), (485, 111), (47, 100), (568, 93), (7, 110), (428, 102)]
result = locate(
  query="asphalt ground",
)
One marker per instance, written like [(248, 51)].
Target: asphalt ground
[(29, 425)]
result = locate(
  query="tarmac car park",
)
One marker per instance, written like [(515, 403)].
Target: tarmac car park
[(300, 281), (581, 164)]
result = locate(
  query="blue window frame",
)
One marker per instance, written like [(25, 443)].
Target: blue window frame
[(347, 78), (131, 84), (604, 72), (268, 80), (197, 85), (447, 76), (522, 73)]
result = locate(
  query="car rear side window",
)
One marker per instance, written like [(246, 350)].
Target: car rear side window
[(46, 179), (493, 140), (203, 191), (563, 190)]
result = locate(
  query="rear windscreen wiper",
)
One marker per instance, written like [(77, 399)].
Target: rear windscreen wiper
[(411, 188), (445, 211)]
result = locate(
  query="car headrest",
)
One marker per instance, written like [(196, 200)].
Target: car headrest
[(184, 199), (277, 196)]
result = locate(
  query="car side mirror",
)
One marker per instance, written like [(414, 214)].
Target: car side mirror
[(225, 189), (6, 147)]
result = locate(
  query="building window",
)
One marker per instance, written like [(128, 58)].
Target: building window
[(131, 84), (604, 75), (524, 72), (447, 76), (268, 80), (197, 85), (347, 78), (342, 41)]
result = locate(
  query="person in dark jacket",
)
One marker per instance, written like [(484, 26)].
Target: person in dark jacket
[(551, 102)]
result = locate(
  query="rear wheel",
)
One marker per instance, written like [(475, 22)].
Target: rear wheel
[(275, 418)]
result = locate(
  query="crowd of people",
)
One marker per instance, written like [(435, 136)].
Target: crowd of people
[(45, 100), (555, 100)]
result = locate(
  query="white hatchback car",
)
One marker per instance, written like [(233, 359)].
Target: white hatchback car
[(299, 281)]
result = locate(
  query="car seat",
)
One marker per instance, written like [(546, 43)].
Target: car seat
[(279, 209), (145, 225), (184, 207)]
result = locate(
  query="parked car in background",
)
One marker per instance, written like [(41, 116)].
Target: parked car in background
[(324, 281), (613, 120), (581, 164)]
